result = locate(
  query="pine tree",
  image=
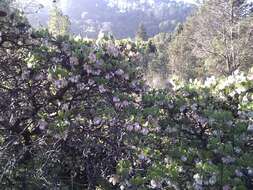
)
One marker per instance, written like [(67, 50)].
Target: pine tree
[(59, 24), (217, 37), (142, 33)]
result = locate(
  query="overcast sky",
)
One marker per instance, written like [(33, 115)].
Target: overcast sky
[(29, 4)]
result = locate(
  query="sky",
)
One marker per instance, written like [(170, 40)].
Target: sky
[(62, 3)]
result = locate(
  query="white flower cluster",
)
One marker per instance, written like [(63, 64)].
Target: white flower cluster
[(155, 184), (199, 181), (250, 171), (211, 81), (112, 50), (114, 179)]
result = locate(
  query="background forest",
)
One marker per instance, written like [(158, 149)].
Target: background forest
[(127, 94), (121, 18)]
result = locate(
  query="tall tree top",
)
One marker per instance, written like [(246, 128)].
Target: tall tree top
[(142, 33)]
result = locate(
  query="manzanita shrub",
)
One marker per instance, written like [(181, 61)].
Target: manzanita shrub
[(76, 114), (200, 137), (65, 108)]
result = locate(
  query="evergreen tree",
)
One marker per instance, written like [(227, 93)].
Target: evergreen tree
[(59, 24), (141, 33), (217, 38)]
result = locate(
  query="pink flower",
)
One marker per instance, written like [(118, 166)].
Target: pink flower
[(115, 99), (112, 74), (74, 79), (97, 72), (228, 159), (61, 83), (119, 72), (118, 105), (132, 54), (42, 124), (142, 157), (97, 120), (101, 89), (128, 47), (126, 76), (134, 84), (184, 158), (226, 187), (99, 63), (92, 57), (108, 76), (125, 103), (137, 127), (130, 128), (91, 82), (81, 86), (87, 68), (112, 122), (144, 131), (238, 173), (112, 50), (73, 61)]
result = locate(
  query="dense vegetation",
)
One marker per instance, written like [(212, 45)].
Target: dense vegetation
[(81, 114)]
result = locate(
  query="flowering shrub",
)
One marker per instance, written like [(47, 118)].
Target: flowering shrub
[(66, 107), (200, 137), (76, 114)]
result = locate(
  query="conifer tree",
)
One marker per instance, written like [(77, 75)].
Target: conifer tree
[(217, 38), (59, 24), (141, 33)]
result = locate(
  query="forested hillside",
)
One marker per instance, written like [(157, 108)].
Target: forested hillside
[(171, 112), (122, 18)]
